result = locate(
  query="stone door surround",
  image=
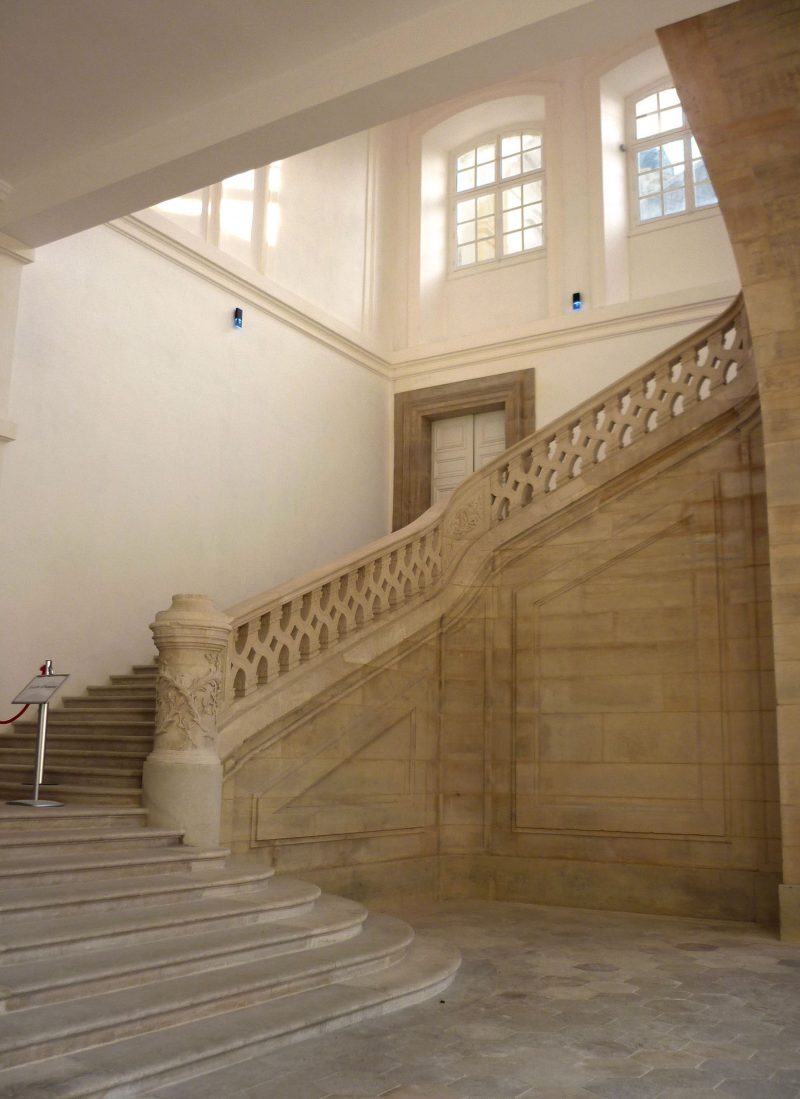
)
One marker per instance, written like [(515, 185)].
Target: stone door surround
[(414, 412)]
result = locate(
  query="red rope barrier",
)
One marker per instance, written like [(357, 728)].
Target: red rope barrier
[(11, 720)]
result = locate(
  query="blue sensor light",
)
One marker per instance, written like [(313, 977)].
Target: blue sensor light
[(577, 301), (238, 317)]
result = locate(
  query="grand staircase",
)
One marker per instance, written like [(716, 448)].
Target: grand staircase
[(130, 960)]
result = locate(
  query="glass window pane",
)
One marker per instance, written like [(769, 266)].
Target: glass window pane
[(674, 201), (485, 249), (532, 215), (465, 181), (531, 141), (673, 177), (466, 254), (511, 145), (485, 174), (699, 172), (695, 149), (512, 197), (512, 166), (485, 153), (533, 237), (512, 219), (532, 161), (647, 105), (672, 153), (485, 205), (532, 192), (485, 228), (465, 211), (704, 194), (647, 126), (649, 183), (466, 232), (649, 158), (512, 243), (650, 207), (672, 119), (668, 98), (466, 160)]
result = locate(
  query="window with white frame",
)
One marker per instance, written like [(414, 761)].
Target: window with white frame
[(498, 190), (667, 169)]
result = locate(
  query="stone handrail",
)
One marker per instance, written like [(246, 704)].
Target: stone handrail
[(288, 626)]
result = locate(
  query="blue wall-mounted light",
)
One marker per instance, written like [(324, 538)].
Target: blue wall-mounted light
[(238, 317), (577, 301)]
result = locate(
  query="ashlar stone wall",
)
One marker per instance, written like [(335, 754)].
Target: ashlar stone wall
[(593, 726)]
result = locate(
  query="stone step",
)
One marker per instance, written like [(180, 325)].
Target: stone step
[(132, 679), (145, 669), (50, 980), (139, 707), (49, 1030), (91, 774), (74, 793), (54, 842), (90, 821), (38, 902), (124, 691), (118, 722), (140, 1064), (61, 753), (87, 741), (53, 936), (41, 869)]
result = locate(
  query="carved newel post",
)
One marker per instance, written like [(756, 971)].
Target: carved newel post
[(182, 777)]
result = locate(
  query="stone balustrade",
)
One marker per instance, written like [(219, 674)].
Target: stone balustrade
[(285, 628)]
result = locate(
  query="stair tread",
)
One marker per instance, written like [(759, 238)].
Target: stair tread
[(44, 837), (329, 914), (18, 813), (20, 868), (278, 894), (33, 1027), (184, 1051), (52, 895)]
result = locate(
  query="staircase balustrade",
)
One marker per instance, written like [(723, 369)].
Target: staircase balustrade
[(282, 629)]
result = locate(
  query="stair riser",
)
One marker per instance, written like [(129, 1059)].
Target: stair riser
[(54, 876), (11, 954), (54, 849), (63, 721), (178, 969), (73, 759), (191, 1012), (95, 822), (45, 910), (100, 708), (80, 776), (120, 800)]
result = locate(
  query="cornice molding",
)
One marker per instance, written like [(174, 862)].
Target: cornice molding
[(14, 248), (404, 367)]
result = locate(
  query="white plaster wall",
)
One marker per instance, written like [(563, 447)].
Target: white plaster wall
[(161, 451), (684, 255), (320, 249)]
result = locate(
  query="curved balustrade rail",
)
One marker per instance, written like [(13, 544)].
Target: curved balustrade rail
[(284, 628)]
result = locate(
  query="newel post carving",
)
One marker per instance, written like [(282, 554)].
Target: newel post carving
[(182, 779)]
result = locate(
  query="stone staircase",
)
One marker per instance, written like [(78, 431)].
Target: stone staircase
[(129, 960), (96, 745)]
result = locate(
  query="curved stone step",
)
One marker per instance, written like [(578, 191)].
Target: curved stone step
[(15, 818), (52, 936), (92, 774), (39, 868), (46, 1031), (139, 1064), (26, 984), (46, 900), (55, 842), (75, 794)]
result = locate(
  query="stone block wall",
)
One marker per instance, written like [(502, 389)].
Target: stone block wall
[(593, 726)]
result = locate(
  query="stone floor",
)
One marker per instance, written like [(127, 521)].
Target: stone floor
[(562, 1004)]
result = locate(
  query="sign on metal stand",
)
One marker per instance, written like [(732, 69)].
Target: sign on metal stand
[(39, 692)]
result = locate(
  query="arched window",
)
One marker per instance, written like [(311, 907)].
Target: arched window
[(497, 188), (667, 170)]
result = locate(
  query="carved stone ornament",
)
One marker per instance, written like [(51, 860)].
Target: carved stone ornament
[(465, 520), (186, 707)]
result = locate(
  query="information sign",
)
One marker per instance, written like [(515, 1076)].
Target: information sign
[(40, 689)]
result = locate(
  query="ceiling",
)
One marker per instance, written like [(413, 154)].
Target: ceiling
[(109, 106)]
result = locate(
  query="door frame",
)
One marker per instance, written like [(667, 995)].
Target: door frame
[(416, 409)]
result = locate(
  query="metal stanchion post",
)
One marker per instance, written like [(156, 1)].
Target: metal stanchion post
[(41, 737)]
